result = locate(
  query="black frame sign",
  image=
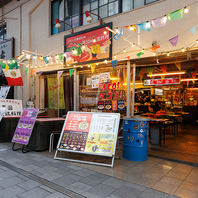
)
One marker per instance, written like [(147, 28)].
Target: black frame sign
[(89, 46), (89, 133)]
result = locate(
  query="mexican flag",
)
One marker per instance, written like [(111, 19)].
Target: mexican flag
[(12, 73)]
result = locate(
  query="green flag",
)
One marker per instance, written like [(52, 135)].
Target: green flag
[(26, 70), (178, 14), (71, 72)]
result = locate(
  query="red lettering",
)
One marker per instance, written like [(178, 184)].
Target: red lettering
[(108, 86), (100, 85), (101, 96), (109, 96), (114, 86), (115, 95), (104, 87), (118, 84)]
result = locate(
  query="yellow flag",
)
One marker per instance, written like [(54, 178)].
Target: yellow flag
[(187, 83), (6, 68), (20, 57), (178, 66), (162, 77), (95, 49), (93, 66)]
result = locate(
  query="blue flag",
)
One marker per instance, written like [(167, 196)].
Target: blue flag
[(114, 63)]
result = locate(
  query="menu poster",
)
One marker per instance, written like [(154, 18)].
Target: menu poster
[(114, 105), (100, 105), (108, 105), (25, 126), (95, 81), (2, 111), (104, 77), (89, 133), (121, 105), (14, 107)]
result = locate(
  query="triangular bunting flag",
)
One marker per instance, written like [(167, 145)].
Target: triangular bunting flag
[(114, 64), (46, 59), (145, 26), (32, 72), (71, 72), (158, 22), (139, 54), (95, 49), (162, 77), (118, 35), (131, 27), (155, 48), (59, 73), (174, 40), (163, 68), (40, 72), (150, 71), (178, 14), (187, 83), (189, 73), (21, 56), (141, 74), (193, 30), (178, 65), (128, 57), (40, 58), (93, 66), (6, 68), (26, 70)]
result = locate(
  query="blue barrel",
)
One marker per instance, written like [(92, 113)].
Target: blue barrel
[(135, 138)]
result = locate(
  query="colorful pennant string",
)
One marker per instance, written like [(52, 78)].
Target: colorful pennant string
[(71, 72), (139, 54), (174, 40), (158, 22), (178, 14)]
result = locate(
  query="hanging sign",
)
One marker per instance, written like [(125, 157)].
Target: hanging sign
[(95, 81), (4, 91), (89, 46), (89, 133), (165, 81), (104, 77), (2, 111), (25, 126), (14, 107)]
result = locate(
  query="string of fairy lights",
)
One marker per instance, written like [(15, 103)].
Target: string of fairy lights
[(51, 60)]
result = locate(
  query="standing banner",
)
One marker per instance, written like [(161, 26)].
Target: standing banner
[(89, 133), (4, 91), (14, 107), (53, 93), (25, 126), (2, 111)]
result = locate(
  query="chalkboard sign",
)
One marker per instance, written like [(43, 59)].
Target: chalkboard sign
[(89, 133)]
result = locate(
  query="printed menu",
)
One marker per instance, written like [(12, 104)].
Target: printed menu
[(89, 132), (25, 126)]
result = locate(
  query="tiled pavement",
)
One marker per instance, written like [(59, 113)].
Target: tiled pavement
[(37, 174)]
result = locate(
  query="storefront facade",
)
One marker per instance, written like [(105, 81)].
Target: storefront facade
[(36, 36)]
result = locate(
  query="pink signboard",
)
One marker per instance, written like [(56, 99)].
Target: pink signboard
[(25, 126), (165, 81)]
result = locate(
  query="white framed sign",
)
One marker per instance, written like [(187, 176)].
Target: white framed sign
[(89, 133), (14, 107)]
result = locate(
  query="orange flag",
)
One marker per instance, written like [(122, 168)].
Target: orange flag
[(131, 27), (155, 48), (163, 68), (187, 82), (32, 72), (178, 66)]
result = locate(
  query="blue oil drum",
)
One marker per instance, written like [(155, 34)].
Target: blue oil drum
[(135, 138)]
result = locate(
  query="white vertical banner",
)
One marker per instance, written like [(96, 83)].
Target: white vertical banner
[(2, 112), (59, 73), (4, 91)]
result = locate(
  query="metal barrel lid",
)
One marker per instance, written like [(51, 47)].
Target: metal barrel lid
[(137, 118)]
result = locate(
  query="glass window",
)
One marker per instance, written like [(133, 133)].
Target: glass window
[(103, 2), (103, 11), (127, 5), (138, 3), (113, 8), (94, 5), (150, 1)]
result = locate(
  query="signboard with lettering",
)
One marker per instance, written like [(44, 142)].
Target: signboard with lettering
[(89, 133), (165, 81), (14, 107), (25, 126), (4, 91), (2, 111), (89, 46)]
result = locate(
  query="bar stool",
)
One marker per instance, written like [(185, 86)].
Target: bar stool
[(51, 144)]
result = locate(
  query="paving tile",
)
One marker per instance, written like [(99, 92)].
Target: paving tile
[(10, 182), (192, 179), (51, 190), (164, 187), (11, 191), (173, 196), (114, 182), (136, 186), (84, 172), (51, 176), (65, 171), (151, 175), (189, 186), (28, 185), (78, 187), (174, 174), (57, 195), (94, 179), (46, 169), (127, 192), (67, 180), (150, 193), (34, 193), (90, 195), (172, 181), (181, 170), (145, 182), (8, 174), (113, 196), (102, 190), (182, 192)]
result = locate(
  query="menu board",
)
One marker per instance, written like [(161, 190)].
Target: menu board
[(25, 126), (90, 133)]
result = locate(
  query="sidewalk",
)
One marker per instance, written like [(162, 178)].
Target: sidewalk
[(37, 174)]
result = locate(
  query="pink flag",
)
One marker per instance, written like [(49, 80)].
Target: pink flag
[(158, 22), (53, 60), (174, 40)]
